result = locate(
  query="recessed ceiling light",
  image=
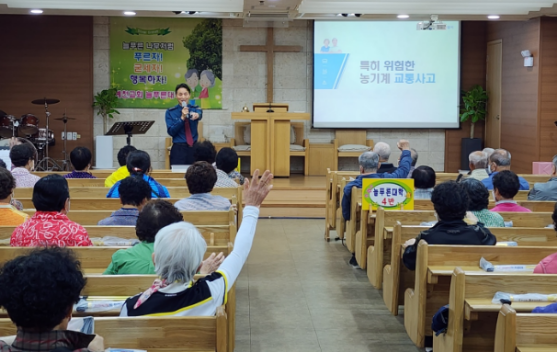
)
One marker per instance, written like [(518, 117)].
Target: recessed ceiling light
[(37, 11), (402, 16), (129, 13), (493, 17)]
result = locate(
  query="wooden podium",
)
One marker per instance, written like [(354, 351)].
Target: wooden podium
[(270, 137)]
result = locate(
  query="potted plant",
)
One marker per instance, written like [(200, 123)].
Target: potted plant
[(106, 101), (473, 110)]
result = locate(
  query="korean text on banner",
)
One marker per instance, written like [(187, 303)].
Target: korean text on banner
[(390, 194)]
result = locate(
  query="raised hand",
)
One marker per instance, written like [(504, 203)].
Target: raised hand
[(257, 190)]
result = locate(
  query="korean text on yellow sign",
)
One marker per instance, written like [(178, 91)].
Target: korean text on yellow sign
[(391, 194)]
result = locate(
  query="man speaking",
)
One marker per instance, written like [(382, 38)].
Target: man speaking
[(181, 125)]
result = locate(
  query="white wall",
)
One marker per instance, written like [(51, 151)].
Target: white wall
[(244, 82)]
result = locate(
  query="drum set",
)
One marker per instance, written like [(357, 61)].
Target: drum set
[(26, 129)]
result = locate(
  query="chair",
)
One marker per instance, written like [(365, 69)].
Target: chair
[(350, 137)]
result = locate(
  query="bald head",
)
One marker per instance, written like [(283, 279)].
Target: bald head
[(383, 150), (478, 160), (500, 160)]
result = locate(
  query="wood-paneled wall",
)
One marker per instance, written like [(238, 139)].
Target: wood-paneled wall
[(473, 52), (519, 106), (49, 56), (548, 89)]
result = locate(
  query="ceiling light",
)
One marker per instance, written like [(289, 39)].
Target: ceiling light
[(493, 17), (36, 12), (129, 13), (402, 16)]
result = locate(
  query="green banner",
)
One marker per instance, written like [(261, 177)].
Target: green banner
[(150, 56)]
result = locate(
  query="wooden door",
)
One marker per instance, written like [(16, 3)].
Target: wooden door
[(493, 84)]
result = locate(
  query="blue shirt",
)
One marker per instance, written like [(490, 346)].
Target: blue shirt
[(175, 126), (401, 172), (121, 217), (488, 182), (159, 191)]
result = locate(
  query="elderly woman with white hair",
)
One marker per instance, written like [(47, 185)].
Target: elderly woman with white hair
[(178, 255)]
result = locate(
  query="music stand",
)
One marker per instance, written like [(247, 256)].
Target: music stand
[(129, 128)]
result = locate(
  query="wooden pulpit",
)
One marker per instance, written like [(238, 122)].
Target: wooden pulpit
[(270, 136)]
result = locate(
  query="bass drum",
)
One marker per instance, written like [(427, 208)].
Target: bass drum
[(28, 125), (42, 136)]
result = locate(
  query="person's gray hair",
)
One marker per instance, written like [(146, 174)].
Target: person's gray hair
[(210, 76), (502, 152), (414, 156), (500, 159), (190, 73), (478, 159), (383, 150), (369, 161), (488, 152), (179, 251), (555, 162)]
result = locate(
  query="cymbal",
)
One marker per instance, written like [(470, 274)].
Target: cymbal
[(46, 101), (65, 118)]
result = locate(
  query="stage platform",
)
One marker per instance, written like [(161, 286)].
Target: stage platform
[(296, 197)]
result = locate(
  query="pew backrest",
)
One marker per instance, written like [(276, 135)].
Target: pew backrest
[(95, 259), (157, 334)]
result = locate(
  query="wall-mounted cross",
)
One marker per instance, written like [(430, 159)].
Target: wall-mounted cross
[(270, 48)]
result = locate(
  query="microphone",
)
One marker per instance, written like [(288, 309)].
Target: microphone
[(185, 105)]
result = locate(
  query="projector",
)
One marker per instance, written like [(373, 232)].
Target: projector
[(429, 26), (432, 25)]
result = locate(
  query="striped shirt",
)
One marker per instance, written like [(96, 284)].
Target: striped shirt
[(203, 297), (203, 201), (223, 180)]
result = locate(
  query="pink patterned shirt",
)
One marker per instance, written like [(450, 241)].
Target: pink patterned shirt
[(50, 228), (23, 178)]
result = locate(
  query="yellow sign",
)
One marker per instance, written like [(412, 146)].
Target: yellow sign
[(389, 193)]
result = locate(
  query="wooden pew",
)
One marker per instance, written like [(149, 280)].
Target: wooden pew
[(379, 242), (157, 334), (334, 197), (99, 182), (396, 277), (381, 219), (472, 315), (23, 194), (535, 206), (214, 235), (95, 260), (104, 173), (525, 332), (207, 218), (434, 267)]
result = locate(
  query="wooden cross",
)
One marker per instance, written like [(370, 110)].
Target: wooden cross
[(270, 48)]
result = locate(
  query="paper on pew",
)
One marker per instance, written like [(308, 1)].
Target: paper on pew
[(526, 297), (94, 306), (113, 241), (507, 244), (487, 266), (85, 325)]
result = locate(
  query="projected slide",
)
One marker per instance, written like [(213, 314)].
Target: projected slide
[(385, 75)]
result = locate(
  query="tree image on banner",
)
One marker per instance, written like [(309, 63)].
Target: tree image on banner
[(150, 56), (205, 47)]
